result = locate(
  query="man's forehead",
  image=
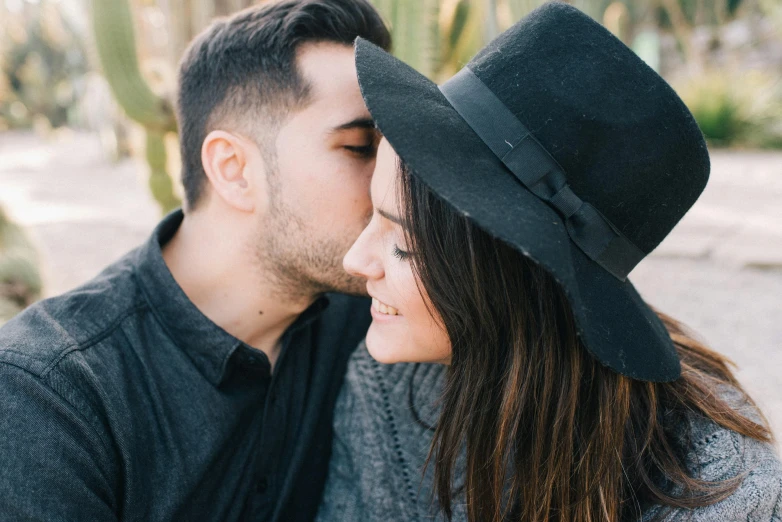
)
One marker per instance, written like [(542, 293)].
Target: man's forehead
[(329, 68), (332, 83)]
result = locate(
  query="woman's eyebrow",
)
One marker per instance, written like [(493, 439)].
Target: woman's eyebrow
[(358, 123), (390, 217)]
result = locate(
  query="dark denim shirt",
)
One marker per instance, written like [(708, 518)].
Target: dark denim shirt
[(121, 401)]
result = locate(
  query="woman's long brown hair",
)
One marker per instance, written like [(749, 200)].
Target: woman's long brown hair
[(550, 434)]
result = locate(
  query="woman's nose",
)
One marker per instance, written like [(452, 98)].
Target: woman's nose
[(362, 259)]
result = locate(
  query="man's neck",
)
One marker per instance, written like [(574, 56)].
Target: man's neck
[(214, 267)]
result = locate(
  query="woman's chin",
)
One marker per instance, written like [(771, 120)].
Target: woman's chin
[(387, 346), (386, 349)]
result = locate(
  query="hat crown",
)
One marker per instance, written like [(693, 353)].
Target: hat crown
[(625, 140), (628, 159)]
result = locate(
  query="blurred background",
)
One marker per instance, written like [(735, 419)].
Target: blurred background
[(89, 154)]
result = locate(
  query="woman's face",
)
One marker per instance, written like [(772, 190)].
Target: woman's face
[(402, 329)]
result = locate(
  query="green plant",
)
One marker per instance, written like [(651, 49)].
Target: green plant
[(437, 37), (716, 108), (414, 29), (733, 111), (20, 279), (116, 45), (42, 66)]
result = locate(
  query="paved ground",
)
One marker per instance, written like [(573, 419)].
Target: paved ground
[(720, 271)]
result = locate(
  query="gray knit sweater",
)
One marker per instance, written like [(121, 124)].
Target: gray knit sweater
[(379, 450)]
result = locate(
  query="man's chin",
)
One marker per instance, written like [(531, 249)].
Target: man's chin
[(338, 281), (351, 286)]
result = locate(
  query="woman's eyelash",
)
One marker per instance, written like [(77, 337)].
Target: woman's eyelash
[(362, 150), (401, 254)]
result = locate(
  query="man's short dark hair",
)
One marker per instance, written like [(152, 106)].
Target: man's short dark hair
[(242, 70)]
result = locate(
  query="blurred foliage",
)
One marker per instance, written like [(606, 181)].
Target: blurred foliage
[(116, 45), (717, 108), (414, 28), (160, 182), (20, 279), (45, 73), (439, 37), (736, 111), (43, 57), (42, 65)]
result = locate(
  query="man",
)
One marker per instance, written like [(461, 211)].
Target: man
[(195, 378)]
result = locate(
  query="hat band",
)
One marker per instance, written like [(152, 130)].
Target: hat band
[(539, 172)]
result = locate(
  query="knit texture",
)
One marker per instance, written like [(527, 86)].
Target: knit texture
[(380, 447)]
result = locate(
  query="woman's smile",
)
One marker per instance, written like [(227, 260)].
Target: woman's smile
[(382, 308)]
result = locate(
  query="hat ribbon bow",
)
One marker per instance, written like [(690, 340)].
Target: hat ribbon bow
[(539, 172)]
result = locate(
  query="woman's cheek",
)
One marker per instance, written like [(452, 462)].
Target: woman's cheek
[(427, 334), (435, 341)]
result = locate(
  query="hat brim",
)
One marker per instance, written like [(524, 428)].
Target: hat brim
[(617, 326)]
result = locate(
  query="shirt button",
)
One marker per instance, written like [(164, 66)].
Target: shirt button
[(262, 485)]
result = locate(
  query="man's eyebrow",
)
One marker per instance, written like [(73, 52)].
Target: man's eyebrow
[(390, 217), (358, 123)]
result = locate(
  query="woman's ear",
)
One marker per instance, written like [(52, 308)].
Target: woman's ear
[(225, 157)]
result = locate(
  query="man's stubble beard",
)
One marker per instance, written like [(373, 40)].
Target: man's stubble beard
[(300, 264)]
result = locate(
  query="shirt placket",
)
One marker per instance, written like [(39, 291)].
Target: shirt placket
[(282, 408)]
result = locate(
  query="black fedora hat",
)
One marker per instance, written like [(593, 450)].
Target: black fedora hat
[(557, 139)]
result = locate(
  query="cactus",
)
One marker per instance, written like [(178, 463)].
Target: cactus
[(20, 279), (415, 31), (116, 46), (42, 63), (463, 29), (437, 37), (159, 181)]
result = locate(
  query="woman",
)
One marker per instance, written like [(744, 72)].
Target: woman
[(513, 204)]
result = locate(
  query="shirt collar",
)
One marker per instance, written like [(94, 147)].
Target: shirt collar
[(207, 344)]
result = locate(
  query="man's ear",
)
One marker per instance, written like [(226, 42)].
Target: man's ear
[(225, 157)]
